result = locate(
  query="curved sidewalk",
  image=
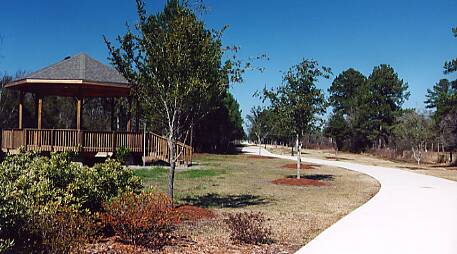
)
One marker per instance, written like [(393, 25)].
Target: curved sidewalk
[(411, 214)]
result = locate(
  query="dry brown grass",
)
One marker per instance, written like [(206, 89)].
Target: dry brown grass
[(240, 183), (438, 170)]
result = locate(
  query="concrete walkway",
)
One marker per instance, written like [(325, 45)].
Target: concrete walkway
[(411, 214)]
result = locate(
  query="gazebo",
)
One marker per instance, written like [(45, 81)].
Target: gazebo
[(82, 77)]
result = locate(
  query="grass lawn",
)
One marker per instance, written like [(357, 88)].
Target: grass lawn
[(236, 183), (437, 170)]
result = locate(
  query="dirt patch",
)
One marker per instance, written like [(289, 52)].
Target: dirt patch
[(194, 213), (260, 157), (299, 182), (294, 166), (203, 246), (112, 245)]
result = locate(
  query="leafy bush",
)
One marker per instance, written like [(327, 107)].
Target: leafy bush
[(103, 182), (29, 181), (122, 154), (5, 245), (147, 219), (248, 228)]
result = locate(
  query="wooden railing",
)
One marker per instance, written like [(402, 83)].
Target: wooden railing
[(158, 147), (50, 140)]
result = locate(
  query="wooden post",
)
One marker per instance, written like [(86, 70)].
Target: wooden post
[(39, 111), (144, 145), (129, 115), (78, 113), (114, 141), (21, 108), (52, 140)]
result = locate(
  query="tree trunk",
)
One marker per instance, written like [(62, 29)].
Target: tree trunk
[(191, 142), (260, 146), (417, 155), (171, 170), (298, 157)]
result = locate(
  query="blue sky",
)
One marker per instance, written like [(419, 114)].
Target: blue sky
[(413, 36)]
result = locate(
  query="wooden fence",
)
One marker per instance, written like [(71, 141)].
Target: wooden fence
[(50, 140)]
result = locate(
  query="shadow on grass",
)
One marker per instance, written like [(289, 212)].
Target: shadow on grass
[(214, 200), (338, 158), (322, 177), (413, 167)]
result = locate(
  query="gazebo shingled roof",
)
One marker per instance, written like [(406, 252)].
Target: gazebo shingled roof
[(77, 76)]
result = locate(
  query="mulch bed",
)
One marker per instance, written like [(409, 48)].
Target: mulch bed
[(299, 182), (260, 157), (112, 245), (294, 166), (194, 213)]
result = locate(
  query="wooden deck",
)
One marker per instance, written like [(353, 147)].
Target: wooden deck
[(50, 140)]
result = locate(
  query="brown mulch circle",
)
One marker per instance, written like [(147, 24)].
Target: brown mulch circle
[(194, 213), (260, 157), (299, 182), (294, 166)]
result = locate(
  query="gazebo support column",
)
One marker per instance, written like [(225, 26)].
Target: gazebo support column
[(20, 109), (79, 111), (39, 111), (129, 115)]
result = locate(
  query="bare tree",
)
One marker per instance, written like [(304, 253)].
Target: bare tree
[(412, 131), (259, 124)]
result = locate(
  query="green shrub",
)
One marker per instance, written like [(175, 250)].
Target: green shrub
[(122, 154), (147, 219), (103, 182), (28, 181), (248, 228), (5, 245)]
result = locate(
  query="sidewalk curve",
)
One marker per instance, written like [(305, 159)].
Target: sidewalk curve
[(411, 214)]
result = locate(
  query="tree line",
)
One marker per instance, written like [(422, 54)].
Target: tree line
[(366, 112)]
